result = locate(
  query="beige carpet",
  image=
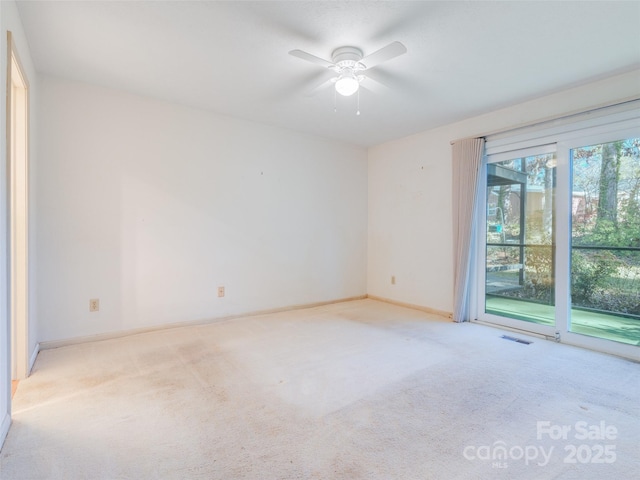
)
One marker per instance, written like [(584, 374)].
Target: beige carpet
[(358, 390)]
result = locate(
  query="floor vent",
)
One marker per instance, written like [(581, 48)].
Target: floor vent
[(518, 340)]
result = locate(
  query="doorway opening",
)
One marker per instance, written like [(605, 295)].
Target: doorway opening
[(18, 208)]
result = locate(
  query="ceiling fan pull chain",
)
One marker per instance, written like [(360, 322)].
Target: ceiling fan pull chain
[(358, 108), (335, 101)]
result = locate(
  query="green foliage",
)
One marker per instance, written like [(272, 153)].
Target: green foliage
[(628, 234), (589, 274), (605, 234), (625, 233), (603, 281), (539, 277)]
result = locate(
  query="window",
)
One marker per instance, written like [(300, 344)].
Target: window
[(520, 273), (559, 244), (605, 240)]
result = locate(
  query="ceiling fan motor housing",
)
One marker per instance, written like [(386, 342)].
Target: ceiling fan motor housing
[(347, 57)]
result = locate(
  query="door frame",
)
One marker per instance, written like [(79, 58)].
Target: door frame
[(562, 208), (547, 331), (563, 246), (17, 170)]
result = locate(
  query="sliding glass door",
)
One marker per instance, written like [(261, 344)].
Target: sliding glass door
[(519, 239), (559, 247)]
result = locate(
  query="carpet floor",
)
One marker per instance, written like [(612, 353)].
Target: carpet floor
[(355, 390)]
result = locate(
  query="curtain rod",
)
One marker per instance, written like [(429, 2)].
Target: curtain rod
[(551, 119)]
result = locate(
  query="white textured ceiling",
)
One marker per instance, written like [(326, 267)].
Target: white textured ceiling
[(463, 59)]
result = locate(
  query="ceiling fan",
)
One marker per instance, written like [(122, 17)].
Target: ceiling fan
[(349, 64)]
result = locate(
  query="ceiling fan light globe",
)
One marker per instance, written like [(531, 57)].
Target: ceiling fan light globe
[(347, 85)]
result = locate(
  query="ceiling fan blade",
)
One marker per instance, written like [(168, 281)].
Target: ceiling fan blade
[(392, 50), (374, 84), (322, 86), (379, 76), (385, 77), (311, 58)]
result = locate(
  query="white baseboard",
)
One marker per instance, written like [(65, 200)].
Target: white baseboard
[(4, 428), (32, 360), (125, 333), (440, 313)]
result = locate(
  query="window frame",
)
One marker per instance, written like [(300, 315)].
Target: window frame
[(559, 137)]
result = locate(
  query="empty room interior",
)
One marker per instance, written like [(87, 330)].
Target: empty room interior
[(320, 240)]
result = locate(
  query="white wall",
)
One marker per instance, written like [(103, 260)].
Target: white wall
[(10, 21), (151, 206), (410, 227)]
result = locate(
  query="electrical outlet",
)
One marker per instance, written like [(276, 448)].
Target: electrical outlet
[(393, 279), (221, 291), (94, 305)]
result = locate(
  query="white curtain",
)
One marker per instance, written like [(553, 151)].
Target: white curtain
[(467, 160)]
